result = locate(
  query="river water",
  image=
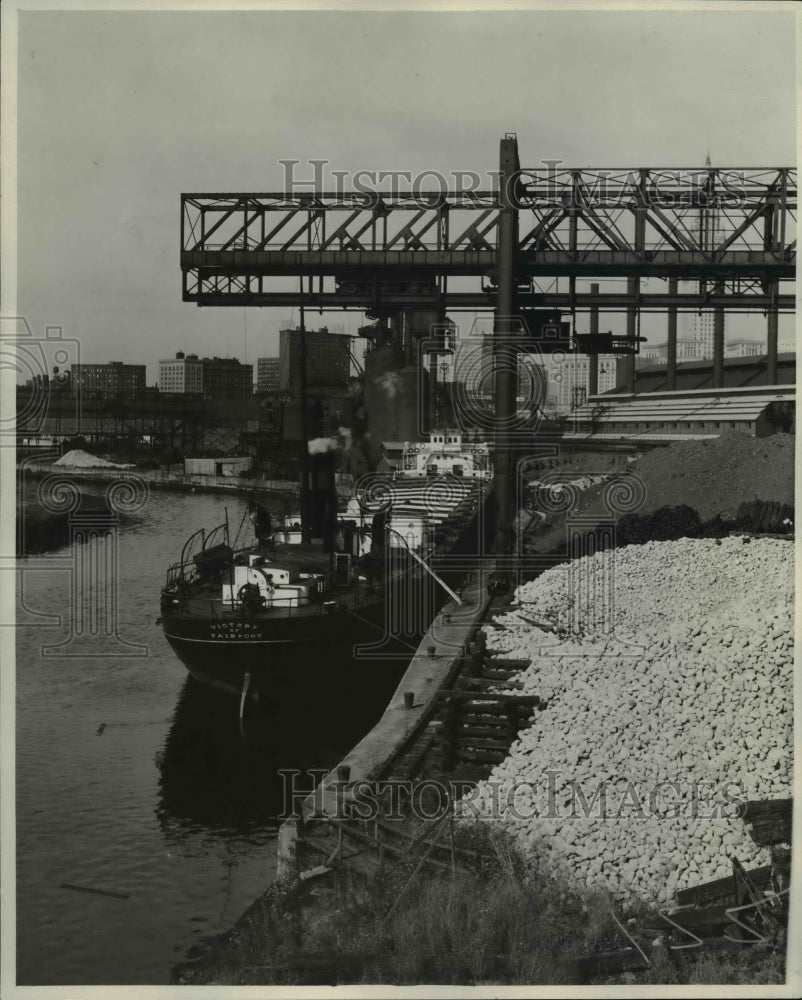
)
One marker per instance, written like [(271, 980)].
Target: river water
[(132, 780)]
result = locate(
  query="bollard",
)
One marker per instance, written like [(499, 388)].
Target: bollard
[(344, 773), (431, 650), (409, 699)]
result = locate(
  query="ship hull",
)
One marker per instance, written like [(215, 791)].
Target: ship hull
[(327, 659)]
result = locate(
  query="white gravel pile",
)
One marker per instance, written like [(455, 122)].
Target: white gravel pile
[(693, 687), (79, 459)]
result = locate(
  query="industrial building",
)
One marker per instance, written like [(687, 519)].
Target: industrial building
[(685, 414), (110, 379)]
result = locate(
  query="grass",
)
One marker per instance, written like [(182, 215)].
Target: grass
[(503, 922)]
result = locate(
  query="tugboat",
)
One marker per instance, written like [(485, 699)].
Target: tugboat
[(327, 607)]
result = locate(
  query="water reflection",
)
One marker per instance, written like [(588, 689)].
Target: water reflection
[(214, 776)]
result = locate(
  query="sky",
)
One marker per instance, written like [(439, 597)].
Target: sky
[(121, 111)]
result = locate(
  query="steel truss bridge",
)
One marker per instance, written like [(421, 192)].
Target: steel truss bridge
[(723, 239), (730, 231)]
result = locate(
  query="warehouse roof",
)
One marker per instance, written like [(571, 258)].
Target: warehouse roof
[(684, 407)]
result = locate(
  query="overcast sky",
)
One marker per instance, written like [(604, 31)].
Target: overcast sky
[(119, 112)]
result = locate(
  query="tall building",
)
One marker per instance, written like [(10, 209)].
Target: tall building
[(327, 359), (183, 373), (109, 379), (267, 374), (226, 378)]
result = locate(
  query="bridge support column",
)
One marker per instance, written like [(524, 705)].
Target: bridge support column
[(593, 362), (718, 341), (505, 358), (633, 287), (772, 331), (671, 346)]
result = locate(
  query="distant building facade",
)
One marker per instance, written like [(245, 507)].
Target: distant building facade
[(267, 374), (109, 379), (744, 348), (227, 378), (327, 359), (568, 376), (218, 378), (183, 373)]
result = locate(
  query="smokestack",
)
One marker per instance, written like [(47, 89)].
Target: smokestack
[(319, 493)]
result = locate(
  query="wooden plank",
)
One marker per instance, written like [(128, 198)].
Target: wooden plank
[(507, 663), (483, 728), (721, 888), (521, 699), (769, 821), (482, 756), (498, 676), (466, 683), (483, 743), (695, 918)]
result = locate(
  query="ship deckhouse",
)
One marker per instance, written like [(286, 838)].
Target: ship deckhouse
[(445, 454)]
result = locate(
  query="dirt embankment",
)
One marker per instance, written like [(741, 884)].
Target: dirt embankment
[(710, 478)]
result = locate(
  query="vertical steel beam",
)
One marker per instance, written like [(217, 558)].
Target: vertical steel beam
[(772, 328), (718, 340), (671, 347), (505, 364), (431, 422), (593, 363), (633, 288)]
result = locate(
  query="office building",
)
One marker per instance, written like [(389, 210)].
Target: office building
[(183, 373), (267, 374), (110, 379)]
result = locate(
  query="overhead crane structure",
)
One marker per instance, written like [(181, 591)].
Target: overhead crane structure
[(406, 259)]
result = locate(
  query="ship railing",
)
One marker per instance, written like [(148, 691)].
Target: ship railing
[(203, 539), (295, 605), (185, 573)]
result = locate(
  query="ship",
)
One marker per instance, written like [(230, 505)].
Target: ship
[(328, 606)]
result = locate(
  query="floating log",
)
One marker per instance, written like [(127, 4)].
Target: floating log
[(769, 821), (96, 892)]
